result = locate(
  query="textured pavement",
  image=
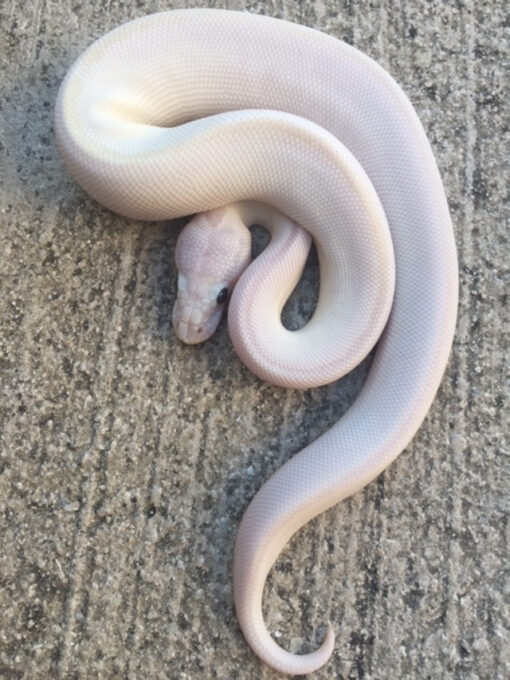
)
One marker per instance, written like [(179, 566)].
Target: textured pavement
[(127, 459)]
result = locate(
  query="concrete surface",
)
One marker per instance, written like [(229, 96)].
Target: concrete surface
[(127, 459)]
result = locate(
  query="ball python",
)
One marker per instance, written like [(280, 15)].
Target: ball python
[(235, 118)]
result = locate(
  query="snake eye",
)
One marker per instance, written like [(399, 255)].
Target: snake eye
[(222, 296)]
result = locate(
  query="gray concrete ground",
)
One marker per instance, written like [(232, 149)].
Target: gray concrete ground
[(127, 459)]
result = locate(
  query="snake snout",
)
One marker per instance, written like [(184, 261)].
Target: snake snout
[(197, 310), (198, 328)]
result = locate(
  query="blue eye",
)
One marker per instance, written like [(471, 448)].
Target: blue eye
[(222, 296)]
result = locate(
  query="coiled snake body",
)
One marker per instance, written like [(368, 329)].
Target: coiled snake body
[(190, 111)]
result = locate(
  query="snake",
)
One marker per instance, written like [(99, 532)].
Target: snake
[(238, 119)]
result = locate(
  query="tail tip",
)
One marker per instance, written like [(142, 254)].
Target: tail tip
[(309, 663), (328, 643)]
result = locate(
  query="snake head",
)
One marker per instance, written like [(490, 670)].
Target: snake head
[(212, 251)]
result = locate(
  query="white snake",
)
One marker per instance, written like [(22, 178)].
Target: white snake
[(189, 111)]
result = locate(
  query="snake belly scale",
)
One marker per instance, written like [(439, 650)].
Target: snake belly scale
[(193, 111)]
